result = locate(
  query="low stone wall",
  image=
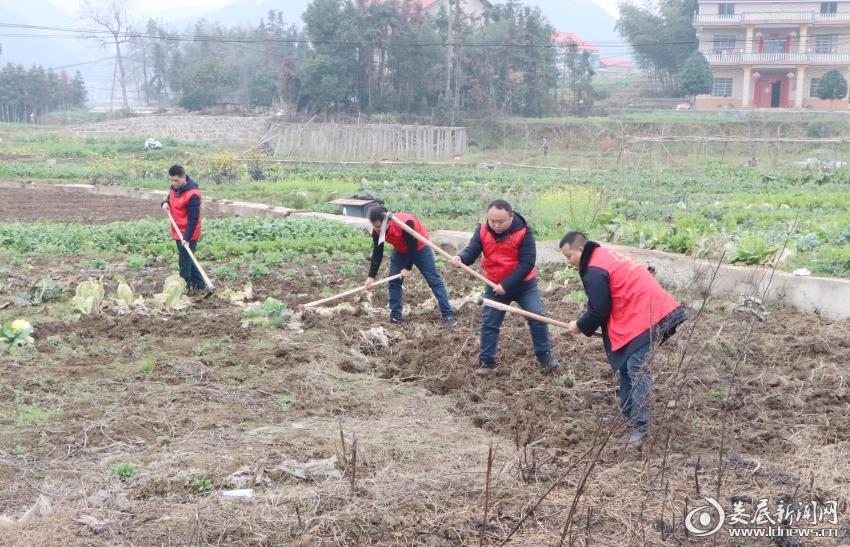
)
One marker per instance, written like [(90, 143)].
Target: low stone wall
[(824, 296), (216, 129)]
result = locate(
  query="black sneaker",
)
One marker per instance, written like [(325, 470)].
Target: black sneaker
[(396, 320), (451, 321), (547, 362), (485, 367)]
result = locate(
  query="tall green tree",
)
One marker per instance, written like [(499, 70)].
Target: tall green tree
[(511, 58), (207, 82), (661, 35), (38, 91), (696, 78), (832, 86), (579, 74)]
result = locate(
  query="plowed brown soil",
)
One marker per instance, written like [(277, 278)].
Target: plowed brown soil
[(741, 409)]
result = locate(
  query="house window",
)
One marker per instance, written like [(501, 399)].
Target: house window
[(813, 87), (828, 7), (724, 44), (722, 87), (726, 9), (826, 43), (774, 43)]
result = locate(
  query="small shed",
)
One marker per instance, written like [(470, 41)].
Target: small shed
[(354, 207)]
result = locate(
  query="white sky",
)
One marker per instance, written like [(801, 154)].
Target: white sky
[(154, 6)]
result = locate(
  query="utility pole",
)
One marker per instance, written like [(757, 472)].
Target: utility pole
[(449, 51)]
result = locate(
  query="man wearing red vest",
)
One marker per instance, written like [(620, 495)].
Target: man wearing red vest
[(407, 252), (636, 316), (184, 203), (509, 252)]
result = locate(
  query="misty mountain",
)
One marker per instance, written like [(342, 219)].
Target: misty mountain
[(582, 17), (43, 47), (242, 12)]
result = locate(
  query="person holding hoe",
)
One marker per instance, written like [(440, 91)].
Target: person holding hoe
[(407, 252), (636, 315), (507, 244), (184, 205)]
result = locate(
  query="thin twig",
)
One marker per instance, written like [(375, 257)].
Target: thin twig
[(486, 495)]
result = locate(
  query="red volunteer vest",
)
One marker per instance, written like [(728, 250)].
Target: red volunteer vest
[(637, 300), (501, 257), (395, 234), (178, 211)]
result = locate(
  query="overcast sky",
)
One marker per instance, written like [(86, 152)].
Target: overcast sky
[(154, 6)]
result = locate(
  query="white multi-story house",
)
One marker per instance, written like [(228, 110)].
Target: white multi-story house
[(772, 54)]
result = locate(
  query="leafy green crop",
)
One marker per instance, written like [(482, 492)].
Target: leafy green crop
[(16, 333)]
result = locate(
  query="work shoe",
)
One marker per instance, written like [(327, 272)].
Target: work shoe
[(451, 321), (547, 362), (396, 320), (635, 438), (485, 367)]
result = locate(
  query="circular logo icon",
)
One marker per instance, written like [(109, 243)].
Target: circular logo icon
[(709, 518)]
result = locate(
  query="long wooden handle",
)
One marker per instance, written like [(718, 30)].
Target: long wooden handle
[(348, 293), (419, 237), (191, 255), (510, 309)]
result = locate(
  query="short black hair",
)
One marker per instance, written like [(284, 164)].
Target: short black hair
[(176, 171), (376, 213), (574, 240), (501, 205)]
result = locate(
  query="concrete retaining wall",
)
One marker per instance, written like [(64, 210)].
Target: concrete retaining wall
[(828, 297), (187, 128)]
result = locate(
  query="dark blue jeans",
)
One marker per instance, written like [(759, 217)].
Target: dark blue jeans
[(424, 262), (188, 270), (635, 379), (491, 321)]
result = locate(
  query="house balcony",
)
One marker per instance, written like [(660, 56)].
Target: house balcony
[(777, 58), (772, 17)]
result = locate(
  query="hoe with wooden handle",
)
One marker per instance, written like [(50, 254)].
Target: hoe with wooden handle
[(210, 287), (481, 301), (347, 293), (439, 251)]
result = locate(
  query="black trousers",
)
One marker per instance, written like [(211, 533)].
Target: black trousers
[(188, 270)]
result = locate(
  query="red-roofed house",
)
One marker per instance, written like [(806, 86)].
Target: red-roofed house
[(614, 68), (567, 38), (469, 7)]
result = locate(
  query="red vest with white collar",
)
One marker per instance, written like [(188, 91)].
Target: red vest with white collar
[(395, 233)]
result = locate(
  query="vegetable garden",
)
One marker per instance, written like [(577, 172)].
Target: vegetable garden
[(128, 408)]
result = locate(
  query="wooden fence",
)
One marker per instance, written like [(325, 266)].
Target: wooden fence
[(371, 142)]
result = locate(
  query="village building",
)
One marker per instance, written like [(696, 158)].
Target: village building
[(772, 54)]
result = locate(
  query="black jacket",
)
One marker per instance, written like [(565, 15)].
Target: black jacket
[(193, 208), (595, 281), (515, 283)]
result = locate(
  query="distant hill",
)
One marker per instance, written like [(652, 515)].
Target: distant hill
[(241, 12), (47, 51), (588, 20)]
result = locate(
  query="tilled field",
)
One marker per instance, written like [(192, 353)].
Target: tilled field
[(54, 205), (198, 403)]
